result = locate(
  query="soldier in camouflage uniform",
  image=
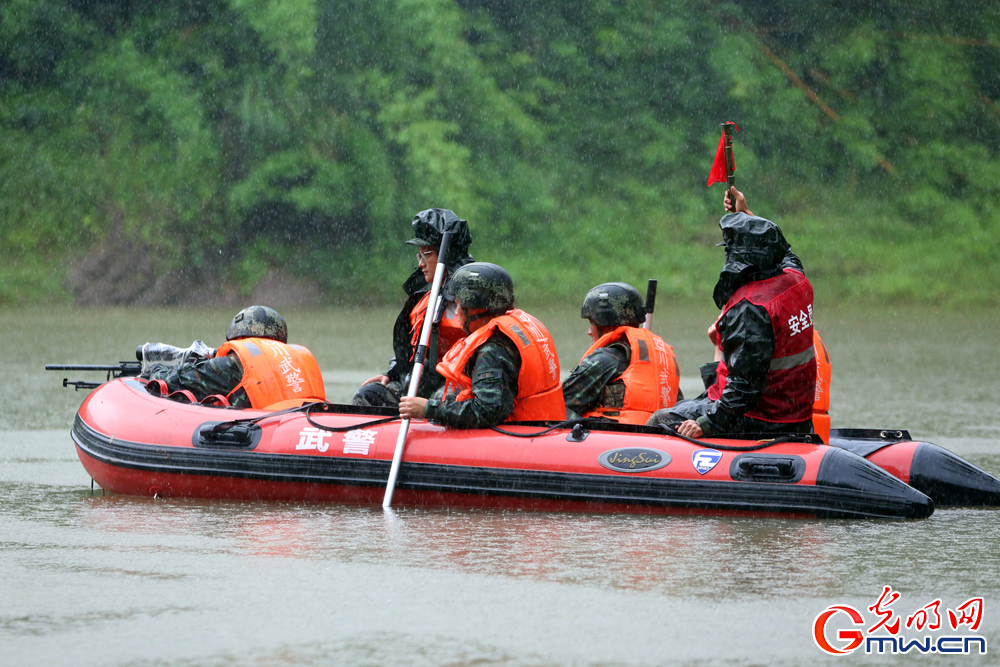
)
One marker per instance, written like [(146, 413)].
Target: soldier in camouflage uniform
[(198, 370), (428, 227), (484, 292), (597, 382), (593, 383), (494, 376)]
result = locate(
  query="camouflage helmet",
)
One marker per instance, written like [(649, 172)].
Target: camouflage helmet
[(258, 322), (481, 286), (613, 305)]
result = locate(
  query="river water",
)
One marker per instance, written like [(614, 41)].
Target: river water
[(88, 579)]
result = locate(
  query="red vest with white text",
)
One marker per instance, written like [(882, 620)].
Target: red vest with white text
[(274, 372), (539, 391), (790, 390), (651, 379)]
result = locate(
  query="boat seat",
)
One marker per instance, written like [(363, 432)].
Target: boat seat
[(159, 388), (216, 401)]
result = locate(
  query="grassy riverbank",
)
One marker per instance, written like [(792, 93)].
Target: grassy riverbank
[(853, 251), (215, 152)]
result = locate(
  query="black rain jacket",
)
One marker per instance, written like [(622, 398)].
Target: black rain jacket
[(428, 225), (755, 250)]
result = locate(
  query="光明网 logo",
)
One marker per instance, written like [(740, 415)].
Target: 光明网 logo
[(887, 635)]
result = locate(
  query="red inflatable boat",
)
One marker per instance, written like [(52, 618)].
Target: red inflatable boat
[(132, 442)]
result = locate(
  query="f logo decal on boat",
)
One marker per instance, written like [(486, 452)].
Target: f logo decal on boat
[(704, 460)]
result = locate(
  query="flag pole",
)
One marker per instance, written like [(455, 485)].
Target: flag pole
[(727, 131)]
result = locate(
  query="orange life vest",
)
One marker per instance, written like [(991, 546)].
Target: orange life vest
[(449, 330), (651, 379), (821, 405), (274, 372), (539, 391)]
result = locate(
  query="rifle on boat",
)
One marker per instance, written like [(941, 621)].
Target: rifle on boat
[(123, 369), (650, 303), (145, 354)]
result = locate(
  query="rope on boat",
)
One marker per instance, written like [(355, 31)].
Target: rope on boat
[(307, 409), (352, 427), (565, 424), (569, 424), (254, 420), (761, 444)]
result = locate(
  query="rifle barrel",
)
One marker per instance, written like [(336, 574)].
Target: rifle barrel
[(123, 366)]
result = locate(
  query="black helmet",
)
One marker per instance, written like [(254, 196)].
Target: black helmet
[(258, 322), (481, 286), (613, 305)]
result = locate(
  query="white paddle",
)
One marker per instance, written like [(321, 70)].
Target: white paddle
[(418, 365)]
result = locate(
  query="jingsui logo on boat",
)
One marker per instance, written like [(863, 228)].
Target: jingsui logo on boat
[(705, 459), (928, 628), (633, 459)]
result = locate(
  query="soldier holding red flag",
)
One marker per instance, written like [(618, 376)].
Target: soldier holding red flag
[(766, 379)]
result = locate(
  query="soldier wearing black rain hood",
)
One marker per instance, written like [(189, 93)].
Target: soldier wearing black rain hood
[(765, 381), (428, 226)]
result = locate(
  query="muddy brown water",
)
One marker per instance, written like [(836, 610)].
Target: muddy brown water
[(110, 580)]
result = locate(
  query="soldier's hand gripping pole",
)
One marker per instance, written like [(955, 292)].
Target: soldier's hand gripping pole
[(418, 365)]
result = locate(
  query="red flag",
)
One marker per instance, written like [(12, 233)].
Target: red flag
[(718, 173)]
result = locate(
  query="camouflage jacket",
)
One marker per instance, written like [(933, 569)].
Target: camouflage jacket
[(219, 375), (494, 370), (591, 384)]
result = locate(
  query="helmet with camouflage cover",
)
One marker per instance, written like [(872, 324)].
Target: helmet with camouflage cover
[(482, 286), (258, 322), (613, 305)]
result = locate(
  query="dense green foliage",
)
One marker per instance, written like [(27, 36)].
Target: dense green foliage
[(215, 140)]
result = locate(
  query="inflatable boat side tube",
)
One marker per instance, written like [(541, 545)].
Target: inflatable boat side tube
[(863, 491), (951, 480), (843, 469), (944, 476)]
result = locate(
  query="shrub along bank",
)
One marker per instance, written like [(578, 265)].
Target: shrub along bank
[(162, 147)]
